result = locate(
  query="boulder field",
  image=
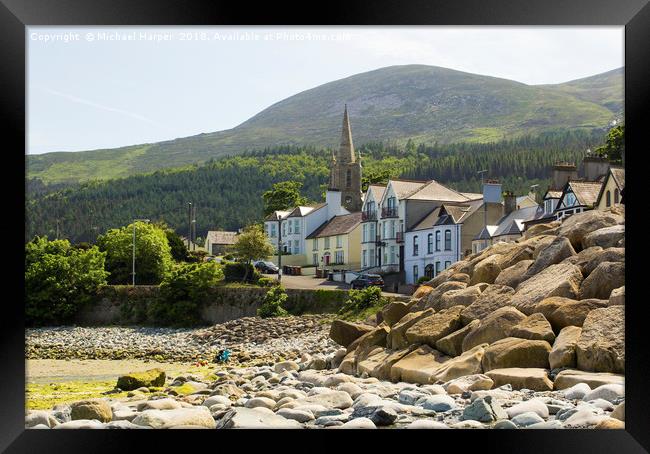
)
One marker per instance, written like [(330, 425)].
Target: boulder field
[(528, 314)]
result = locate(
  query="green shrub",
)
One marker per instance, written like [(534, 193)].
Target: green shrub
[(228, 257), (235, 272), (59, 279), (362, 303), (422, 280), (183, 291), (267, 282), (272, 304)]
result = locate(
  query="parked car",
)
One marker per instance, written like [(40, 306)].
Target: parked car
[(366, 280), (266, 267)]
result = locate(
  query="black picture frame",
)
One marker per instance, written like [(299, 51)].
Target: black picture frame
[(15, 15)]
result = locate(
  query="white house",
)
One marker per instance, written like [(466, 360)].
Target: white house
[(369, 230)]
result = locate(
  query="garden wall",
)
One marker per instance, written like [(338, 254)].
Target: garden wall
[(124, 305)]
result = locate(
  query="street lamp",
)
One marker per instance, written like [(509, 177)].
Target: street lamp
[(133, 271)]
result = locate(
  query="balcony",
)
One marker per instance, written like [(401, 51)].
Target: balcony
[(389, 212), (369, 215)]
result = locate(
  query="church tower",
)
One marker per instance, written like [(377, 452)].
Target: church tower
[(345, 170)]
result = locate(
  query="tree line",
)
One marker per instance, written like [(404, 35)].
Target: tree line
[(228, 191)]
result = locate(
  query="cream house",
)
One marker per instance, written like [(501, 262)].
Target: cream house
[(611, 191), (337, 243)]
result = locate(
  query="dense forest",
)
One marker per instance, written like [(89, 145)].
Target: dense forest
[(227, 192)]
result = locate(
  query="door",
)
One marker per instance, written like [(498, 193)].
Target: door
[(401, 258)]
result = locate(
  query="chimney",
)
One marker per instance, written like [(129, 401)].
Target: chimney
[(562, 173), (491, 191), (509, 202), (593, 167)]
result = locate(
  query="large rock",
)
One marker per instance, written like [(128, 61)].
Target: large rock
[(434, 327), (469, 363), (418, 366), (514, 275), (486, 270), (514, 352), (520, 253), (396, 339), (163, 419), (452, 344), (349, 363), (563, 353), (606, 277), (484, 409), (491, 299), (493, 327), (533, 327), (462, 297), (521, 378), (466, 383), (421, 291), (617, 297), (563, 312), (432, 300), (344, 333), (568, 378), (606, 237), (382, 369), (91, 409), (254, 418), (601, 346), (328, 399), (583, 257), (540, 229), (374, 338), (614, 254), (578, 226), (134, 380), (393, 312), (556, 280), (559, 249)]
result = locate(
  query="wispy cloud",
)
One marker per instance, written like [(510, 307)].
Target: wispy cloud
[(86, 102)]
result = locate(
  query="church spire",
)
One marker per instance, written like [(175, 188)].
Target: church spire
[(346, 149)]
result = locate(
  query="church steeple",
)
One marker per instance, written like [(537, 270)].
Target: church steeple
[(346, 149)]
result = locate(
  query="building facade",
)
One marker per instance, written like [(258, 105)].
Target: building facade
[(611, 193), (369, 230), (337, 243)]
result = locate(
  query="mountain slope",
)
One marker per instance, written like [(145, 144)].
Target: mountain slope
[(425, 103)]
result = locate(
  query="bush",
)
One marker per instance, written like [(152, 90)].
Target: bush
[(60, 279), (183, 291), (422, 280), (363, 302), (272, 304), (235, 272), (196, 256), (267, 282), (228, 257)]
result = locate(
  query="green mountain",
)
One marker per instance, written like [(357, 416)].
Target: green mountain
[(427, 104)]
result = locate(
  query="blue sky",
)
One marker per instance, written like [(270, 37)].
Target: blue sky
[(91, 88)]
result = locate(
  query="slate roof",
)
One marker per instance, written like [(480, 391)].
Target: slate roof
[(432, 190), (486, 232), (277, 215), (586, 191), (338, 225), (221, 237), (619, 176), (301, 211), (377, 191), (428, 221), (456, 214), (404, 188)]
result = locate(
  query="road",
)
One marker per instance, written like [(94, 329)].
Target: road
[(311, 282)]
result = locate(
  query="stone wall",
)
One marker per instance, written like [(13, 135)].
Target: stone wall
[(124, 305)]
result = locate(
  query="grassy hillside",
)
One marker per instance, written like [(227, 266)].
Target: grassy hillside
[(425, 103), (227, 192)]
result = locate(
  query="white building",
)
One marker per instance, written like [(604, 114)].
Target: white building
[(369, 230)]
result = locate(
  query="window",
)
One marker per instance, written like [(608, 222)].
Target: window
[(437, 240), (447, 240), (364, 233), (290, 226), (385, 257), (296, 226), (314, 259), (273, 232), (392, 255), (392, 229), (371, 257), (348, 178), (364, 255), (339, 241), (415, 274), (437, 268), (415, 245), (616, 196), (428, 271), (447, 264), (314, 244), (608, 199), (569, 199), (384, 230), (373, 227), (296, 247), (430, 243), (339, 257), (327, 242), (284, 229)]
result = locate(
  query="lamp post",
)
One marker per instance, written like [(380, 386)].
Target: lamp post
[(279, 249), (133, 265)]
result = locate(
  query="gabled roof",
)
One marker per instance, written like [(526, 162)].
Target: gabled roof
[(304, 210), (432, 190), (552, 194), (404, 188), (221, 237), (338, 225), (586, 192), (377, 191), (428, 221), (618, 174), (456, 214), (472, 195), (486, 232), (277, 215)]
